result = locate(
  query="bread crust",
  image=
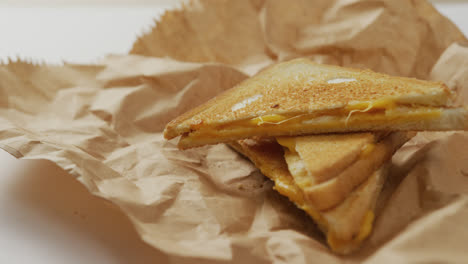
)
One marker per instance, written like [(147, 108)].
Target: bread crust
[(301, 86)]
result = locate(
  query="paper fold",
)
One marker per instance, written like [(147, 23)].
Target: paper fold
[(102, 124)]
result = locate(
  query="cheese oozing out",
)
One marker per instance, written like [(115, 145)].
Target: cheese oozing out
[(386, 108)]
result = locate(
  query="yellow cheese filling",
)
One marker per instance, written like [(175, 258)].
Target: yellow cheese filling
[(376, 104), (266, 119), (286, 187), (381, 105), (320, 121), (360, 106), (367, 149), (288, 142)]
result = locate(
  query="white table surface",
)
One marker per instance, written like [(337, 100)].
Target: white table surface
[(46, 216)]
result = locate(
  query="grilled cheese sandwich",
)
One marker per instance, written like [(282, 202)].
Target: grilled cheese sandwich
[(347, 224), (276, 117), (300, 97)]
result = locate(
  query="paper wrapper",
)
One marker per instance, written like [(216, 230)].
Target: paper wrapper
[(102, 124)]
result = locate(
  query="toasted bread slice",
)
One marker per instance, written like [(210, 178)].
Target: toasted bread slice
[(328, 167), (325, 156), (347, 224), (300, 97)]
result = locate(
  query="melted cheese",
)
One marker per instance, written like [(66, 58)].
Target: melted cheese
[(289, 142), (380, 119), (367, 149), (361, 106), (376, 104), (313, 120), (366, 226), (286, 187), (267, 119)]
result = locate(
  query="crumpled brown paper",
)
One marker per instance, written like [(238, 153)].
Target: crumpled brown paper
[(102, 124)]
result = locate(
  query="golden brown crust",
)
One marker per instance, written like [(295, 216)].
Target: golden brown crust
[(171, 130), (301, 86), (328, 194), (325, 156), (342, 223), (348, 218)]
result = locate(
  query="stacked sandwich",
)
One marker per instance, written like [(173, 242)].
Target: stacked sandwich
[(324, 134)]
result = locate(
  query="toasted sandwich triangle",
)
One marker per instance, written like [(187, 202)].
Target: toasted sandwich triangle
[(349, 221), (300, 97), (327, 168)]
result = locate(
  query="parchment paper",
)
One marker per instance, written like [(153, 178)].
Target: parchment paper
[(102, 124)]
